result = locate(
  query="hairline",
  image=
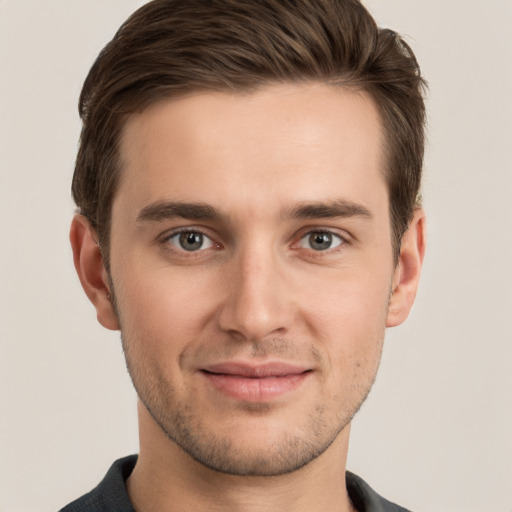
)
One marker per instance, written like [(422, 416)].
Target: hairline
[(245, 90)]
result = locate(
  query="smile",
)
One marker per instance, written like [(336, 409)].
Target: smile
[(255, 383)]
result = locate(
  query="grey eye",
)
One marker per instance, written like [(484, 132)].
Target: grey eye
[(320, 241), (191, 241)]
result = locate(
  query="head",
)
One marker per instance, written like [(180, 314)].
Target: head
[(170, 48), (247, 181)]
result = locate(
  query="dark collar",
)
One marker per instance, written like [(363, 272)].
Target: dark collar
[(111, 495)]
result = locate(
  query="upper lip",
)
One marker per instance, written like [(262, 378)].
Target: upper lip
[(252, 370)]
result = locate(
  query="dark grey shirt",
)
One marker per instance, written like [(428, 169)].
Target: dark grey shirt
[(111, 495)]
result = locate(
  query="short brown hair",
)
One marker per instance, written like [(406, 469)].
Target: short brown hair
[(173, 47)]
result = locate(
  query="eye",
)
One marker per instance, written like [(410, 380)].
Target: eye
[(320, 240), (190, 241)]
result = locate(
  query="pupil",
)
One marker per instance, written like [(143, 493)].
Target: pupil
[(320, 241), (191, 241)]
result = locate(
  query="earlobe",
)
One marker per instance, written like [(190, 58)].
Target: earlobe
[(89, 266), (408, 270)]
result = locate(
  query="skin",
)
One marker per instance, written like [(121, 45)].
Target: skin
[(269, 280)]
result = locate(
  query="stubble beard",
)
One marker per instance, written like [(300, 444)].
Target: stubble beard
[(219, 453), (284, 455)]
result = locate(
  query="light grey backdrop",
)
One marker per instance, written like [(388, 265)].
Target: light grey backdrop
[(435, 434)]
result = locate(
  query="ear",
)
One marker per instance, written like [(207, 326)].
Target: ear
[(407, 273), (91, 271)]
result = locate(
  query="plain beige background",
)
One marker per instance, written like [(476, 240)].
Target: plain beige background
[(436, 432)]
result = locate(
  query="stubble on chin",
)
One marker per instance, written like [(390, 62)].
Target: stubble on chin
[(284, 453)]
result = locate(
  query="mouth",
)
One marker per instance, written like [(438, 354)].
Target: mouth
[(255, 383)]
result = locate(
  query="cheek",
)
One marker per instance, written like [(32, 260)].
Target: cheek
[(163, 309), (351, 298), (350, 318)]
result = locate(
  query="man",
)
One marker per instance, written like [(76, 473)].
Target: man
[(247, 186)]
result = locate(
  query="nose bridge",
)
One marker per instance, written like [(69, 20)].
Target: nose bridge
[(258, 303)]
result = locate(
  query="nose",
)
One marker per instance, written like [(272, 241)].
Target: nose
[(259, 301)]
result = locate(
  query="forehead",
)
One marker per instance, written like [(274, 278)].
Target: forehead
[(288, 142)]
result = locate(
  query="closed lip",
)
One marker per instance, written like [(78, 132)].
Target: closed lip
[(256, 371), (255, 382)]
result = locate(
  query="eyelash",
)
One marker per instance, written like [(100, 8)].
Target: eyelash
[(165, 241), (342, 240)]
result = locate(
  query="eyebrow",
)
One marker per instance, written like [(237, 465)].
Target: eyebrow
[(166, 210), (339, 208)]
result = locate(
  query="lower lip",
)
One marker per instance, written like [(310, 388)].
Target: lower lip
[(260, 389)]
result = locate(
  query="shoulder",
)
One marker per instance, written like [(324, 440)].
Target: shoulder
[(110, 494), (365, 499)]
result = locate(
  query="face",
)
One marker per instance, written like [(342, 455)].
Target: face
[(252, 267)]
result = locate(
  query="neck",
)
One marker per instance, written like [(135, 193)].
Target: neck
[(166, 478)]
